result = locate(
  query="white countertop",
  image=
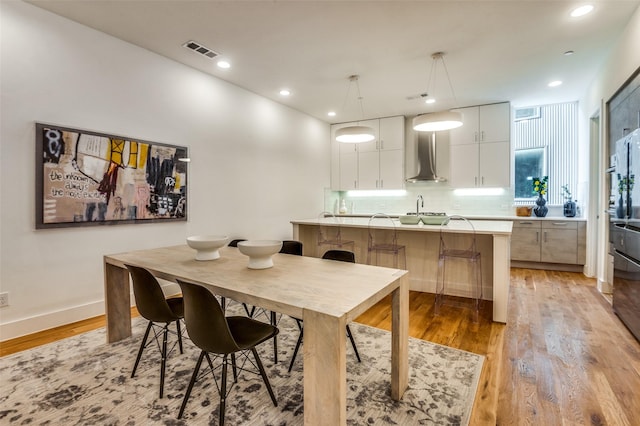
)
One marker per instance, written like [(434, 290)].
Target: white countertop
[(483, 217), (493, 227)]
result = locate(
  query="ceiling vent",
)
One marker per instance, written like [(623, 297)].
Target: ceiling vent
[(198, 48), (527, 113)]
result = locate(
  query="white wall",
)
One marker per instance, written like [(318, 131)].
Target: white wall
[(256, 164)]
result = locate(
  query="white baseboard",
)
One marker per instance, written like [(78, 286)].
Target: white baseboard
[(36, 323)]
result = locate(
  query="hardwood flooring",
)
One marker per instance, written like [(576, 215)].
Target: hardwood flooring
[(563, 357)]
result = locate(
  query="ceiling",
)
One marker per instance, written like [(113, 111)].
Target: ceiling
[(495, 51)]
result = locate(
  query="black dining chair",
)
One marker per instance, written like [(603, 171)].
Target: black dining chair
[(159, 311), (216, 334), (342, 256)]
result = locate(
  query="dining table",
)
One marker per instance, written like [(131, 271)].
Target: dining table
[(326, 294)]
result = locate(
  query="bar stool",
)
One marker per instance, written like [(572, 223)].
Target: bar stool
[(461, 247), (383, 240), (331, 235)]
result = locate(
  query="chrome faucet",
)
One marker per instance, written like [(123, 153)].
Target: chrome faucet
[(420, 199)]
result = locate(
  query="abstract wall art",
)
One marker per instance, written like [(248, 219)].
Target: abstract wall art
[(85, 178)]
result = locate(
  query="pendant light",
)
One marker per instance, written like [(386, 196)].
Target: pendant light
[(443, 120), (357, 133)]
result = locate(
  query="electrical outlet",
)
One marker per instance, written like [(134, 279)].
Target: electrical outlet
[(4, 299)]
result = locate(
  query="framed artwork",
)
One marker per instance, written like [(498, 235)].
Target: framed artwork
[(86, 178)]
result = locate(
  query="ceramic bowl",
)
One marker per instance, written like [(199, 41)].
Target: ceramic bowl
[(260, 252), (409, 219), (207, 246), (434, 219)]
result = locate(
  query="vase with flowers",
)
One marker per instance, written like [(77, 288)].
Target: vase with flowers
[(540, 188), (569, 207)]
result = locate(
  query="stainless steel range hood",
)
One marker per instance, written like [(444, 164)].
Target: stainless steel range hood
[(427, 171)]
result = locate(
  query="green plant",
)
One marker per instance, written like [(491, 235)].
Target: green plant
[(566, 194), (540, 185)]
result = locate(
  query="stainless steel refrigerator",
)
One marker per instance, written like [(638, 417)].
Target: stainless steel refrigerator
[(624, 233)]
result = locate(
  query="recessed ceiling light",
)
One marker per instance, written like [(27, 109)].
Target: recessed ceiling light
[(285, 92), (224, 64), (331, 113), (430, 101), (555, 83), (581, 11)]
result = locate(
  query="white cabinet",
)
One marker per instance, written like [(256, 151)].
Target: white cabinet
[(378, 164), (481, 149)]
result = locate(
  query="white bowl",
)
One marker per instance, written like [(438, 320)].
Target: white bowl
[(260, 252), (207, 246)]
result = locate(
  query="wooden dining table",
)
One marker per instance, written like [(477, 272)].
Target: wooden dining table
[(326, 294)]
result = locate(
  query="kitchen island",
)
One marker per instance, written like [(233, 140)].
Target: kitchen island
[(422, 248)]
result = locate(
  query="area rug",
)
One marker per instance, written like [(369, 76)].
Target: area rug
[(84, 381)]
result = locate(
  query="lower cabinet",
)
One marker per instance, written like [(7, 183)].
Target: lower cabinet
[(549, 241)]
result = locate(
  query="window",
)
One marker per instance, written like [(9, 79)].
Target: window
[(530, 163), (551, 140)]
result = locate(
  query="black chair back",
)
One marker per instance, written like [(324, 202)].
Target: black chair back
[(340, 255), (206, 323), (291, 247), (150, 299), (234, 243)]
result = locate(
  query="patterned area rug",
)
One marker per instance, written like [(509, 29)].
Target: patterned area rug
[(84, 381)]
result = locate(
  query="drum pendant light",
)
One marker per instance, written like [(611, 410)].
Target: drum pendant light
[(443, 120), (356, 133)]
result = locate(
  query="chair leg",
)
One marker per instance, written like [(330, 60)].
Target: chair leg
[(275, 338), (246, 309), (179, 336), (234, 368), (353, 342), (163, 362), (223, 390), (191, 383), (298, 343), (264, 376), (142, 345)]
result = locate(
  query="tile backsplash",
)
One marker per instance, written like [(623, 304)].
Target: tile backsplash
[(437, 198)]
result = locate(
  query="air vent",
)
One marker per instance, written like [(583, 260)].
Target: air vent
[(198, 48), (527, 113)]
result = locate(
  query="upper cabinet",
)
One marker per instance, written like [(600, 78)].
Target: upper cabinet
[(481, 147), (378, 164)]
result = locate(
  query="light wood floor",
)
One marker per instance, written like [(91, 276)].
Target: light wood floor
[(562, 358)]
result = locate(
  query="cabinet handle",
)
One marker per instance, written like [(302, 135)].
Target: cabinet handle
[(381, 144), (545, 236), (537, 236), (475, 181), (482, 180), (559, 223), (381, 183), (475, 136), (377, 144), (482, 135), (526, 223), (355, 184)]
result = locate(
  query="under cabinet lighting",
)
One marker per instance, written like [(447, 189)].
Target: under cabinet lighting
[(377, 193), (285, 92), (478, 191), (555, 83)]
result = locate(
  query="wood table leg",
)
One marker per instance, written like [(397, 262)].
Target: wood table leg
[(325, 370), (117, 302), (400, 339)]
